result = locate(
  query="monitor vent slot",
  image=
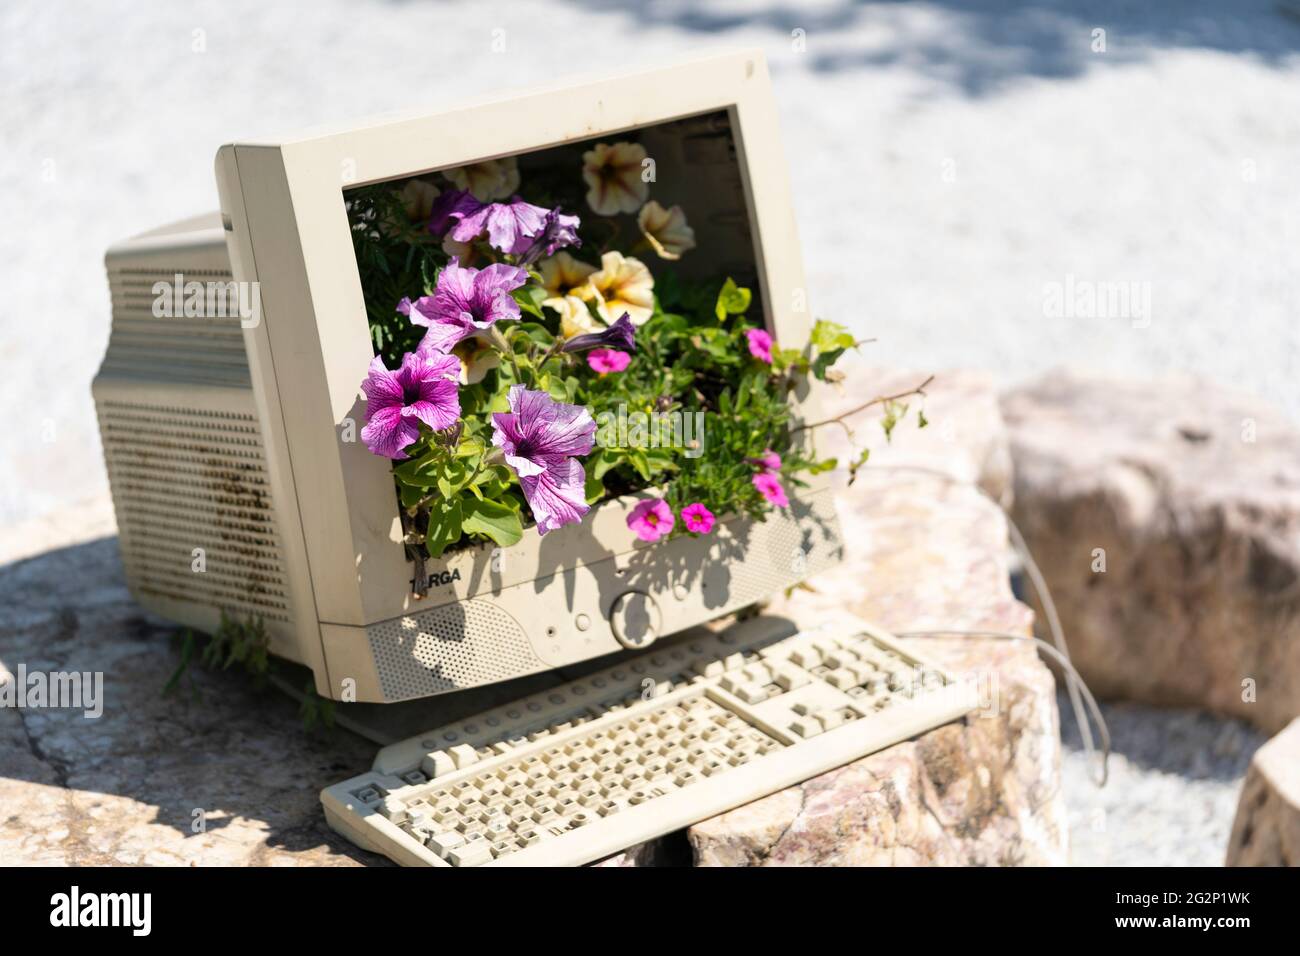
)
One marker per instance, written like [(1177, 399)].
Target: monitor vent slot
[(448, 647), (194, 349), (187, 478)]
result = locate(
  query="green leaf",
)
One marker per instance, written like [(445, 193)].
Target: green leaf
[(535, 332), (921, 420), (445, 526), (894, 413), (418, 472), (858, 463), (829, 336), (410, 495), (594, 489), (530, 299), (639, 461), (494, 520), (469, 448), (602, 464), (823, 362), (732, 300)]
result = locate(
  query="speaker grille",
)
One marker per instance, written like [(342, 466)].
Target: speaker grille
[(794, 550), (186, 478), (431, 652)]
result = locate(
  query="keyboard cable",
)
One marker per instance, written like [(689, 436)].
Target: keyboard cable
[(1058, 651)]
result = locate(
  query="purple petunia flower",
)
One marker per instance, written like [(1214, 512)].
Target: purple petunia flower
[(510, 226), (453, 205), (558, 232), (620, 335), (760, 345), (422, 389), (540, 436), (465, 301)]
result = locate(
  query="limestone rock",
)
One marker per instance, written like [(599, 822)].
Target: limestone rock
[(1267, 829), (124, 788), (1190, 495)]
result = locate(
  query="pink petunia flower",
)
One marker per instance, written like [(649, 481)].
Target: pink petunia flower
[(697, 518), (423, 389), (651, 519), (540, 436), (465, 301), (760, 345), (770, 488), (768, 461), (605, 361)]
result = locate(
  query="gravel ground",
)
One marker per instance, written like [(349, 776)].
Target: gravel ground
[(1175, 776), (950, 162)]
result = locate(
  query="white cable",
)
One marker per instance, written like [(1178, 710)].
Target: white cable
[(1074, 684), (1065, 664)]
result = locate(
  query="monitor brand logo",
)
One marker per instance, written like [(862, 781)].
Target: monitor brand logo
[(75, 908), (438, 579), (207, 300)]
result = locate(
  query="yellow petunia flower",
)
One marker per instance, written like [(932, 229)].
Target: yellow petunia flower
[(488, 180), (417, 199), (622, 284), (477, 358), (666, 230), (565, 278), (613, 175)]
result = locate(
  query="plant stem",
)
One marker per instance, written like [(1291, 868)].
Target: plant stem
[(917, 390)]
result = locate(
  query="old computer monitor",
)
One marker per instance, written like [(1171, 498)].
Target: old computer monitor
[(225, 435)]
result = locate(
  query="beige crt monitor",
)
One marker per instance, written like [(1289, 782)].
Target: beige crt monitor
[(243, 453)]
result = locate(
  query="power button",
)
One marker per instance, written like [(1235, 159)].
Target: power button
[(634, 618)]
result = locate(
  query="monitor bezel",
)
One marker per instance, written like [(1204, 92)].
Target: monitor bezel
[(289, 232)]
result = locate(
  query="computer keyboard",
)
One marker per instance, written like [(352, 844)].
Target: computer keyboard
[(651, 745)]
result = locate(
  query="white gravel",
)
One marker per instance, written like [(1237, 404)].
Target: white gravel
[(949, 162), (1171, 797)]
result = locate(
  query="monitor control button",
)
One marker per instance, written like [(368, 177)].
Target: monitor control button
[(634, 619)]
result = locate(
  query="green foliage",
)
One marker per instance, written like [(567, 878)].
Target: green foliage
[(315, 710), (732, 300), (246, 646)]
